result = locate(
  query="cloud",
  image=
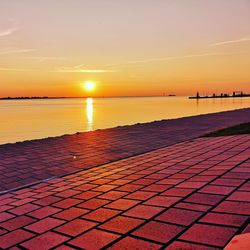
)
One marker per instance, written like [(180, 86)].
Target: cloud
[(15, 51), (244, 39), (15, 69), (169, 58), (81, 69), (159, 59), (8, 31), (172, 58), (47, 58)]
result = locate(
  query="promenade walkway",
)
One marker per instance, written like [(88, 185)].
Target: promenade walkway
[(191, 195), (32, 161)]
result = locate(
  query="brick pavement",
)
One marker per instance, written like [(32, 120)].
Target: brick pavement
[(32, 161), (192, 195)]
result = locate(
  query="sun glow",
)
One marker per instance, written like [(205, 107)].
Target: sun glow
[(89, 86)]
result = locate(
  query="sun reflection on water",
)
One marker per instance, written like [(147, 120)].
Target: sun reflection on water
[(89, 112)]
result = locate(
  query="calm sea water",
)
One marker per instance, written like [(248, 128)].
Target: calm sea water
[(32, 119)]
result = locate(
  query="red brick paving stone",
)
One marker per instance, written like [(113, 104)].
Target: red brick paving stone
[(86, 187), (104, 188), (179, 245), (44, 225), (101, 181), (121, 224), (245, 187), (64, 247), (192, 206), (7, 201), (47, 200), (207, 199), (4, 208), (119, 182), (42, 195), (71, 213), (157, 176), (224, 219), (141, 195), (179, 216), (25, 195), (209, 234), (212, 189), (87, 195), (170, 181), (101, 214), (112, 195), (67, 203), (14, 238), (93, 203), (24, 209), (158, 231), (228, 182), (122, 204), (243, 176), (44, 212), (22, 202), (143, 212), (17, 222), (191, 184), (45, 241), (239, 196), (203, 178), (3, 231), (162, 201), (234, 207), (129, 187), (94, 239), (75, 227), (67, 193), (133, 243), (5, 216), (144, 182), (156, 188), (181, 192), (5, 196)]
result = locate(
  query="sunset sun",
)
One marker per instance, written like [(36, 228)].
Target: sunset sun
[(89, 86)]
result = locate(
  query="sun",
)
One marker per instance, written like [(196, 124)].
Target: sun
[(89, 86)]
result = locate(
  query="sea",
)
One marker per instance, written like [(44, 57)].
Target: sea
[(22, 120)]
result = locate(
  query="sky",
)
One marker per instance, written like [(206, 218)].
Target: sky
[(126, 47)]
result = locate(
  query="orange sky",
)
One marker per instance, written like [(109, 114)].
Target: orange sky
[(132, 47)]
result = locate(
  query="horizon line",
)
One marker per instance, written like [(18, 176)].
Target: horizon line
[(68, 97)]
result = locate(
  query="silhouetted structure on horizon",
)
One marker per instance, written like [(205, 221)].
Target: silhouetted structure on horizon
[(222, 95)]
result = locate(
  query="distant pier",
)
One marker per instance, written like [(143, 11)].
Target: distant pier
[(235, 94)]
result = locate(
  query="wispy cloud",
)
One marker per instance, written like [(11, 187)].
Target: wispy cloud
[(244, 39), (169, 58), (15, 69), (82, 69), (159, 59), (8, 31), (47, 58), (7, 51)]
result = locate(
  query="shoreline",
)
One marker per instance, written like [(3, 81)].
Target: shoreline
[(117, 127), (37, 160), (84, 97)]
